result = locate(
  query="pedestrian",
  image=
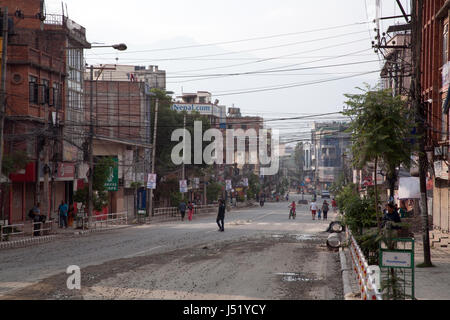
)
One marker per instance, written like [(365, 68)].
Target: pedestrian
[(313, 208), (63, 210), (325, 209), (190, 210), (319, 214), (182, 208), (391, 216), (35, 215), (71, 215), (334, 204), (221, 215)]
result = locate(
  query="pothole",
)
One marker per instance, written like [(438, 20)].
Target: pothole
[(294, 276)]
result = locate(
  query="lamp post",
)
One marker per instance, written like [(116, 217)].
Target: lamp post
[(120, 47)]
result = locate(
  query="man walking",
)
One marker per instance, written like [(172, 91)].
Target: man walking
[(325, 209), (182, 208), (63, 210), (313, 208), (221, 215)]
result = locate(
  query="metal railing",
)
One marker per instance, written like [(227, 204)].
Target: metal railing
[(172, 213), (367, 277), (42, 228), (107, 220), (11, 230)]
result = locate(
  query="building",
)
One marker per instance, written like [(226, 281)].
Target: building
[(201, 102), (151, 75), (37, 87), (121, 122), (435, 82), (330, 144)]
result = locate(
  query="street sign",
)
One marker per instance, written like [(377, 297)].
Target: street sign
[(151, 181), (396, 259), (112, 182)]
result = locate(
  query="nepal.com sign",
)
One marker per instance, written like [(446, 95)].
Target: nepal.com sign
[(201, 108)]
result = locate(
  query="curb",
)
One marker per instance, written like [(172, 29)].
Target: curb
[(84, 232), (345, 270), (27, 241)]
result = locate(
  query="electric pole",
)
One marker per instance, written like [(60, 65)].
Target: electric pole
[(153, 154), (3, 86), (184, 151), (416, 14), (91, 144)]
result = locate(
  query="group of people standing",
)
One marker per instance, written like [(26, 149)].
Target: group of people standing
[(319, 211), (189, 207)]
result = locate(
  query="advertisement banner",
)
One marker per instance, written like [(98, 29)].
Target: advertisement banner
[(245, 182), (151, 181), (196, 183), (228, 182), (183, 186)]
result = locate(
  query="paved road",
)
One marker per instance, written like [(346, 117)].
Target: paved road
[(23, 267)]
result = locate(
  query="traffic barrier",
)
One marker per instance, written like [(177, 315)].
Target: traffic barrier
[(365, 274)]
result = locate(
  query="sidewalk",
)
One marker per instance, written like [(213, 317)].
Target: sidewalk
[(430, 283)]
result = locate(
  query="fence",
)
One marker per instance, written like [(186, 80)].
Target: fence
[(172, 213), (368, 276), (106, 220), (9, 232)]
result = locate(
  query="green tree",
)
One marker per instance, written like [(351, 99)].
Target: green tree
[(213, 190), (381, 128), (100, 194)]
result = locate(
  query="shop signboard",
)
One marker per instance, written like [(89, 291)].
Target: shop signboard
[(112, 182)]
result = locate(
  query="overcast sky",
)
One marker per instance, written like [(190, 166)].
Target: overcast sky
[(306, 34)]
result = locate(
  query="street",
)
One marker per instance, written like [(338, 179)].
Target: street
[(261, 255)]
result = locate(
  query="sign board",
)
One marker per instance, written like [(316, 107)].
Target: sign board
[(196, 183), (396, 259), (183, 186), (409, 188), (65, 170), (245, 182), (441, 170), (112, 182), (151, 181), (228, 182)]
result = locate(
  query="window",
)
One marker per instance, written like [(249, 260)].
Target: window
[(45, 92), (56, 95), (33, 89), (445, 45), (202, 99)]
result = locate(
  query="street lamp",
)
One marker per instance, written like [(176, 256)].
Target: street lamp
[(120, 47)]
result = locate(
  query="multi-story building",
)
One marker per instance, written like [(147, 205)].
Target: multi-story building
[(152, 76), (435, 82), (201, 102), (330, 143), (38, 64), (121, 112)]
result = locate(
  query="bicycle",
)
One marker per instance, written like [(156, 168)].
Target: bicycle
[(292, 213)]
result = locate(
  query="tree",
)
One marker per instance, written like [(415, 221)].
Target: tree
[(100, 195), (381, 128)]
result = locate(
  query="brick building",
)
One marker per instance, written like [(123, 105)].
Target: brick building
[(121, 113), (435, 81), (37, 98)]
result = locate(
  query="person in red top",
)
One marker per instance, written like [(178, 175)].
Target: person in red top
[(292, 211), (334, 204)]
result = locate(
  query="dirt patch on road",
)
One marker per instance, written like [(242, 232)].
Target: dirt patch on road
[(266, 267)]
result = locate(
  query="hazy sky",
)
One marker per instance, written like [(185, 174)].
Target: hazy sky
[(296, 44)]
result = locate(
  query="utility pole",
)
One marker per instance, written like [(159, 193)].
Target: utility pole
[(184, 151), (91, 144), (416, 14), (153, 154), (3, 85)]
